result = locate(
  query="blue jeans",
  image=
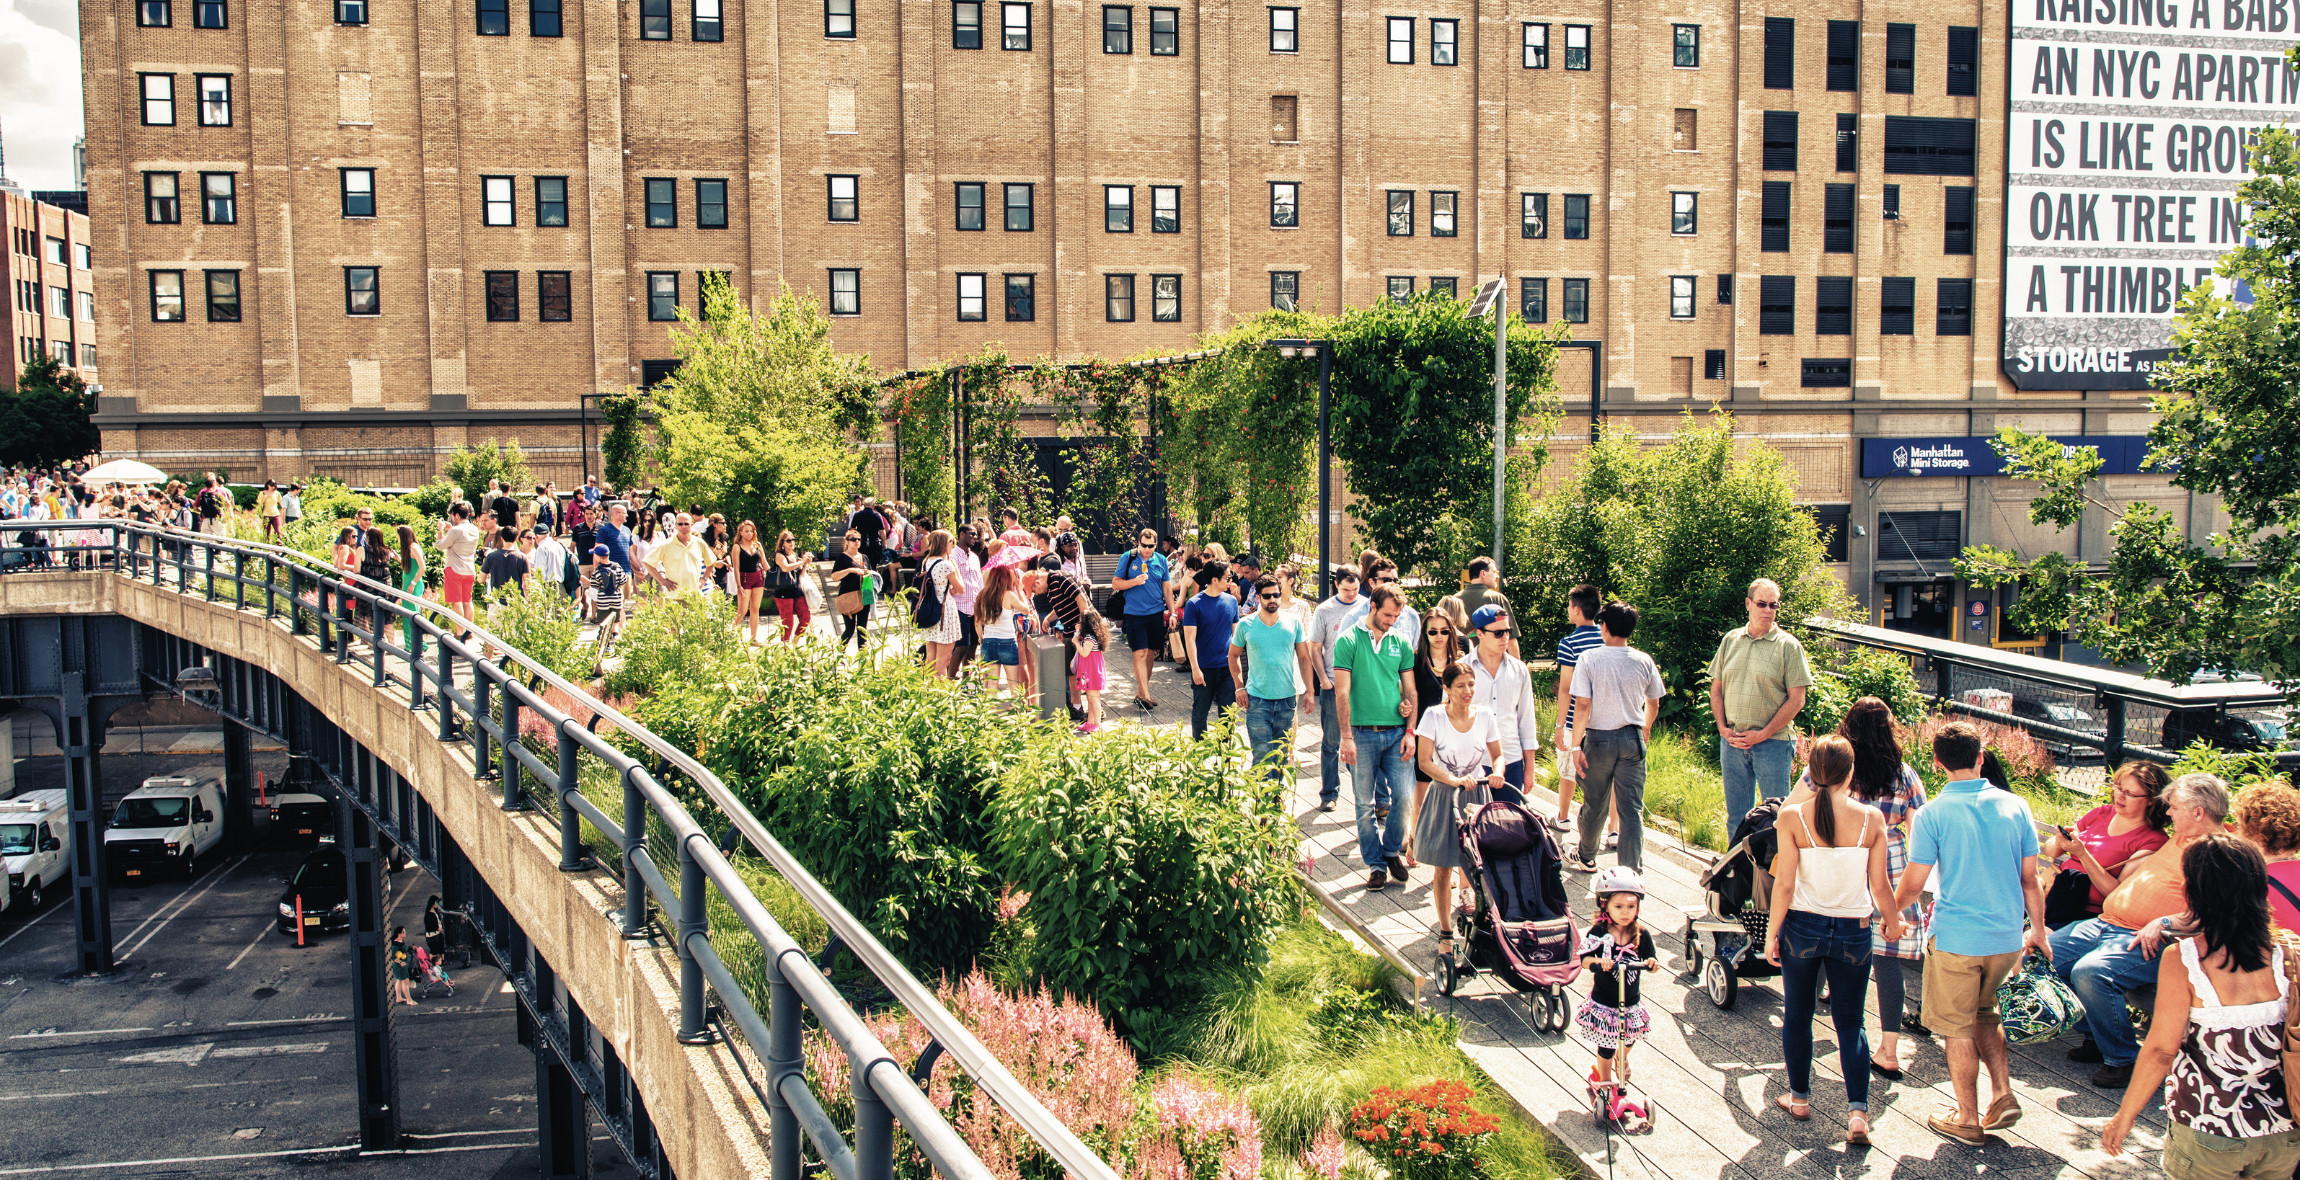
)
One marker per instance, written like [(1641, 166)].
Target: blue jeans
[(1269, 729), (1381, 782), (1514, 775), (2101, 960), (1761, 771), (1217, 695), (1811, 946), (1329, 749)]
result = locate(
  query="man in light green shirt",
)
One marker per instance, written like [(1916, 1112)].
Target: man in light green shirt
[(1757, 685)]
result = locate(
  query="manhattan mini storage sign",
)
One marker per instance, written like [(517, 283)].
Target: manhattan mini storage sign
[(1885, 458), (2130, 123)]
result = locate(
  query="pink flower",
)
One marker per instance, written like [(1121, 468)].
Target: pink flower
[(1324, 1155)]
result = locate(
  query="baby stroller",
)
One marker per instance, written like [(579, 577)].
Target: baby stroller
[(430, 973), (1724, 941), (1514, 919)]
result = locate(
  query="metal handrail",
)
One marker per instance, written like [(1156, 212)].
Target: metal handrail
[(883, 1093)]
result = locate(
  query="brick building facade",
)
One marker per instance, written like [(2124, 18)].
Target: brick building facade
[(449, 222), (51, 290)]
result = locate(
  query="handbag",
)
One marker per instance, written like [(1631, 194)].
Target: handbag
[(928, 612), (2037, 1006), (849, 602), (2069, 899)]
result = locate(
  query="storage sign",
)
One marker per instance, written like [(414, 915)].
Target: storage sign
[(2131, 126), (1885, 458)]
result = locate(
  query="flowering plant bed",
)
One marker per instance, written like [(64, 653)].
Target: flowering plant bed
[(1430, 1132)]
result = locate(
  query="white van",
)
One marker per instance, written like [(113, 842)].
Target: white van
[(36, 841), (167, 824)]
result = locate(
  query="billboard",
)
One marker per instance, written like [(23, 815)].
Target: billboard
[(1919, 458), (2127, 135)]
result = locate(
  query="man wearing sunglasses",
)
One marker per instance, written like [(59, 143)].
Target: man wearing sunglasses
[(1757, 684), (1505, 687), (1271, 661)]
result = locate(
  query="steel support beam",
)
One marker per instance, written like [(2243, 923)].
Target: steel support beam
[(239, 787), (81, 738), (374, 1050)]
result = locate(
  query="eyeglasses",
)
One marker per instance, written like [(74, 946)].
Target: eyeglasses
[(1441, 630), (1773, 605), (1269, 598), (2122, 793), (1383, 581), (1502, 632)]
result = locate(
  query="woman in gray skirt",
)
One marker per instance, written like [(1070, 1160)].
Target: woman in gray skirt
[(1460, 750)]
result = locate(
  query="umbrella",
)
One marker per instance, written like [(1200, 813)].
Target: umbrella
[(1011, 555), (124, 471)]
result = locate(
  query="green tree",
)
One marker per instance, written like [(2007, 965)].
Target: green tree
[(2226, 428), (45, 420), (626, 437), (752, 423), (469, 468)]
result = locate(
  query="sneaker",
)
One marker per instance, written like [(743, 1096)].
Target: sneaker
[(2086, 1053), (1578, 865), (1377, 879), (2113, 1077), (1325, 805), (1398, 871), (1966, 1133), (1613, 839)]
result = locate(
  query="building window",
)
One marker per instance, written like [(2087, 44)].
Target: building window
[(1684, 215), (838, 19), (1442, 205), (1957, 219), (1536, 46), (87, 356), (1117, 29), (1773, 217), (1900, 59), (1286, 289), (1713, 364), (662, 295), (1681, 297), (1780, 53), (1165, 209), (358, 190), (1953, 308), (662, 203), (1899, 316), (362, 290), (61, 350), (1401, 209), (1844, 71), (215, 100), (709, 23), (1401, 40), (544, 19), (351, 12), (711, 204), (1118, 298), (167, 296), (502, 296), (1780, 141), (1918, 146), (1827, 373), (1165, 32), (1018, 208), (1445, 285), (551, 200), (1833, 306), (210, 14), (1576, 216), (1848, 143), (1725, 290), (1964, 60), (1837, 219), (843, 202), (966, 24), (56, 252), (970, 298), (1283, 126), (554, 300), (160, 202), (846, 291), (153, 14), (1285, 204), (1015, 23), (60, 305), (1401, 288), (1444, 35), (494, 18), (1685, 46), (159, 92), (1118, 208), (654, 20), (1533, 215), (1577, 47), (219, 198), (1892, 202), (1285, 30), (1166, 299), (970, 206), (87, 306), (1533, 300), (1021, 298), (495, 203), (1777, 305), (1576, 300)]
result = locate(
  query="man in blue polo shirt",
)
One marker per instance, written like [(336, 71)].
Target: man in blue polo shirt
[(1139, 584), (1983, 841)]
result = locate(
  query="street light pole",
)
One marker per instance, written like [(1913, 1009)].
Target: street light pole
[(1325, 472), (1489, 295)]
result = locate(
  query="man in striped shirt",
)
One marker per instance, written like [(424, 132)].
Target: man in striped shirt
[(1580, 610)]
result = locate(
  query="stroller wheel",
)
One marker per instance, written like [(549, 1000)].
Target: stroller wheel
[(1721, 982), (1560, 1011)]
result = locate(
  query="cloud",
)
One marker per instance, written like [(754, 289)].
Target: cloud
[(40, 90)]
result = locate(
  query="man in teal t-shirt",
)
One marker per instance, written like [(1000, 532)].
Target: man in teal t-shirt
[(1276, 659), (1374, 695)]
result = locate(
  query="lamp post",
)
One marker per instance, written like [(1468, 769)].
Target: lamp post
[(1489, 296), (1324, 351)]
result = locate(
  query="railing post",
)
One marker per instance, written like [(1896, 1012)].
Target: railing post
[(482, 711), (1942, 670), (271, 579), (375, 613), (874, 1127), (295, 600), (346, 609), (240, 581), (446, 698), (694, 922), (783, 1062), (412, 631), (2112, 740), (634, 841), (570, 784)]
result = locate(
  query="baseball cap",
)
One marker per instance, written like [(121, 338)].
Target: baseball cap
[(598, 551), (1484, 616)]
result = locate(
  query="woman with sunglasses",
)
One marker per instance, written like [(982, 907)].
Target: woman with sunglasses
[(1440, 650), (789, 587), (848, 569)]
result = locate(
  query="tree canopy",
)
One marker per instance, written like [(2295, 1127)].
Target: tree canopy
[(44, 421)]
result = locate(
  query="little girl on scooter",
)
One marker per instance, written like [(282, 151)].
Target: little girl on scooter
[(1616, 949)]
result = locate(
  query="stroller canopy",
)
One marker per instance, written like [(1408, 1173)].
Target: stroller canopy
[(1520, 863)]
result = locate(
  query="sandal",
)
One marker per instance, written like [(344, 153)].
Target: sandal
[(1857, 1133), (1798, 1108)]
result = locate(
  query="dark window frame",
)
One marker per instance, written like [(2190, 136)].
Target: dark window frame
[(224, 307), (1533, 215), (1029, 206), (709, 27), (500, 306), (1822, 372), (654, 20), (1683, 290), (1533, 300), (980, 206), (831, 305), (1773, 208), (1682, 48), (352, 291), (491, 18), (546, 18), (152, 281), (1685, 221), (1900, 58), (648, 203), (172, 211), (200, 97), (1837, 201), (1848, 142), (220, 10), (1892, 202), (1964, 59), (1005, 38), (981, 296), (1446, 283), (1291, 33), (1445, 203), (1158, 312), (1576, 224), (1780, 53), (231, 199), (1779, 150), (1533, 47), (1286, 214), (1917, 145), (345, 196), (1777, 305), (1451, 43), (351, 12), (1713, 364), (1391, 212), (832, 19), (1952, 307), (1833, 305), (960, 30), (554, 307), (1957, 202), (544, 203), (1166, 42), (1843, 74), (1585, 50), (1398, 288), (1573, 300), (1117, 298), (1158, 194), (853, 198), (1028, 290), (1897, 306), (155, 14), (1286, 285), (1725, 289), (144, 100), (704, 219), (1390, 27), (1120, 35), (509, 201), (657, 311), (1114, 212)]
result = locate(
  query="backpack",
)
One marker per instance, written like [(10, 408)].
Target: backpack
[(2037, 1006), (210, 503), (928, 612)]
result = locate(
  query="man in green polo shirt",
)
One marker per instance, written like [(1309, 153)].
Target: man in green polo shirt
[(1373, 697), (1757, 684)]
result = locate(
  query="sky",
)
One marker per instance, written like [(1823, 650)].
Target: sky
[(39, 90)]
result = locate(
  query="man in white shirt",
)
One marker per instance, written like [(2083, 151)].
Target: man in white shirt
[(548, 560), (683, 558), (459, 547), (1505, 687)]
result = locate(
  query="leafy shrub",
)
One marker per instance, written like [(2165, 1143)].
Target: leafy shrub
[(433, 499), (469, 468), (2238, 770), (1152, 867), (1431, 1132), (541, 625), (674, 640), (1347, 1017)]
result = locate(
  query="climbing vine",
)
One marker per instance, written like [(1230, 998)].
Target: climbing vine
[(919, 408), (619, 448), (1238, 436)]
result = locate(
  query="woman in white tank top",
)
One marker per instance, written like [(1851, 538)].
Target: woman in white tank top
[(1829, 883)]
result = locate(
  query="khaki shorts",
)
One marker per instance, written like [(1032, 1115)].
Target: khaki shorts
[(2195, 1155), (1961, 990)]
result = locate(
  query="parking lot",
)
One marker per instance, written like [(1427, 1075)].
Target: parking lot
[(224, 1048)]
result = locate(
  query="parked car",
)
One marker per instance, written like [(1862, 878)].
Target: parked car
[(169, 823), (2224, 730), (317, 893), (36, 841), (300, 815), (2064, 716)]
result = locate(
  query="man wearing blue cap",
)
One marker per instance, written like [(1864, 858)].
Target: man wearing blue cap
[(1506, 688)]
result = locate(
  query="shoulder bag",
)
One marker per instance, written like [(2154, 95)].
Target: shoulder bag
[(850, 602), (928, 611)]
